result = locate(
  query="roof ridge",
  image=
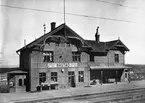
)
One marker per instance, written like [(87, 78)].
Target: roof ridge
[(112, 40)]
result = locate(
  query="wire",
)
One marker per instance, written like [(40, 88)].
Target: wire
[(119, 4), (16, 7), (104, 18)]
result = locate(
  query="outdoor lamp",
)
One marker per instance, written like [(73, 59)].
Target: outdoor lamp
[(62, 70)]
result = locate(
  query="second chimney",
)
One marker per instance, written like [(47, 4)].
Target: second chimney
[(97, 36), (53, 25)]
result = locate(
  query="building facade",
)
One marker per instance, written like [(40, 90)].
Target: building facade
[(63, 59)]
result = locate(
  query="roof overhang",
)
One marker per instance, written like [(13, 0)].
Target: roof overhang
[(109, 67), (17, 72)]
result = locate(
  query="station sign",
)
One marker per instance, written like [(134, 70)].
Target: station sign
[(57, 65)]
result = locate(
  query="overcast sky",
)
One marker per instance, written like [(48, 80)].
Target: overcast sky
[(116, 18)]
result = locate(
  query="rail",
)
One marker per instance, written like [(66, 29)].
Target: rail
[(130, 94)]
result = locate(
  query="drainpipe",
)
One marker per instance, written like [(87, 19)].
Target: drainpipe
[(101, 77)]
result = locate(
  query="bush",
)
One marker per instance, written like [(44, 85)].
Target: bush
[(4, 89)]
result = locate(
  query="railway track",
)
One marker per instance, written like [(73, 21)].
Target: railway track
[(106, 97)]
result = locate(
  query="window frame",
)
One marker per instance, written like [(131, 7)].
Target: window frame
[(42, 77), (54, 76), (48, 56), (76, 56), (116, 58), (80, 79)]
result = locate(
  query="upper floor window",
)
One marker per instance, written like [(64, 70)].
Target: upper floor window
[(48, 56), (81, 76), (76, 56), (91, 58), (42, 77), (116, 57)]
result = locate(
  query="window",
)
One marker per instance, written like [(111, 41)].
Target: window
[(81, 76), (91, 58), (48, 56), (76, 57), (54, 76), (117, 58), (42, 77)]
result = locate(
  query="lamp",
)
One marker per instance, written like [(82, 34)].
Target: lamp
[(62, 70)]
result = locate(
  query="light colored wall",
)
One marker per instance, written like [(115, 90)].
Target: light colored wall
[(109, 59), (37, 65)]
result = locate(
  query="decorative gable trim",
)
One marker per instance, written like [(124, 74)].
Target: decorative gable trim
[(50, 34), (119, 43)]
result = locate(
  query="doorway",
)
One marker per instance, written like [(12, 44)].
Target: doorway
[(71, 79)]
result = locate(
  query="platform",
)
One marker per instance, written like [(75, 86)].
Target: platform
[(70, 92)]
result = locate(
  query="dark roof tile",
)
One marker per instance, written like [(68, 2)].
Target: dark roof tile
[(104, 46)]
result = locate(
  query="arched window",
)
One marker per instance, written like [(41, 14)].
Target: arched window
[(20, 82)]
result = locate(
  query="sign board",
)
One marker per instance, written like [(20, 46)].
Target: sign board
[(56, 65)]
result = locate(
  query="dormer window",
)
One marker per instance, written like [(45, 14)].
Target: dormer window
[(48, 56), (116, 57)]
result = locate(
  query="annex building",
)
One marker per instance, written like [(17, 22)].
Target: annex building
[(63, 59)]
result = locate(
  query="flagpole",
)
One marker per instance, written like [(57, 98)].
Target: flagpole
[(64, 19), (64, 10)]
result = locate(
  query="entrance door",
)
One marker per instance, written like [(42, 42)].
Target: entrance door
[(71, 78)]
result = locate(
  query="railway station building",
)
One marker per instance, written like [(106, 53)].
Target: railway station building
[(61, 58)]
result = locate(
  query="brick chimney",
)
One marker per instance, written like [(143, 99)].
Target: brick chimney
[(53, 25), (97, 36)]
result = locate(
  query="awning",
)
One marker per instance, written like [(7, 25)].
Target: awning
[(109, 67)]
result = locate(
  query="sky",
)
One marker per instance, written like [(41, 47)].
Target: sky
[(124, 19)]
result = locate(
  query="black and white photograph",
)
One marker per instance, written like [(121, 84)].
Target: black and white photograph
[(72, 51)]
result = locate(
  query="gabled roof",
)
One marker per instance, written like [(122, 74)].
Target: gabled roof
[(117, 43), (97, 47), (5, 69), (105, 46), (58, 31)]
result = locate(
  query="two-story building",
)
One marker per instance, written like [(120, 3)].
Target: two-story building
[(63, 59)]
